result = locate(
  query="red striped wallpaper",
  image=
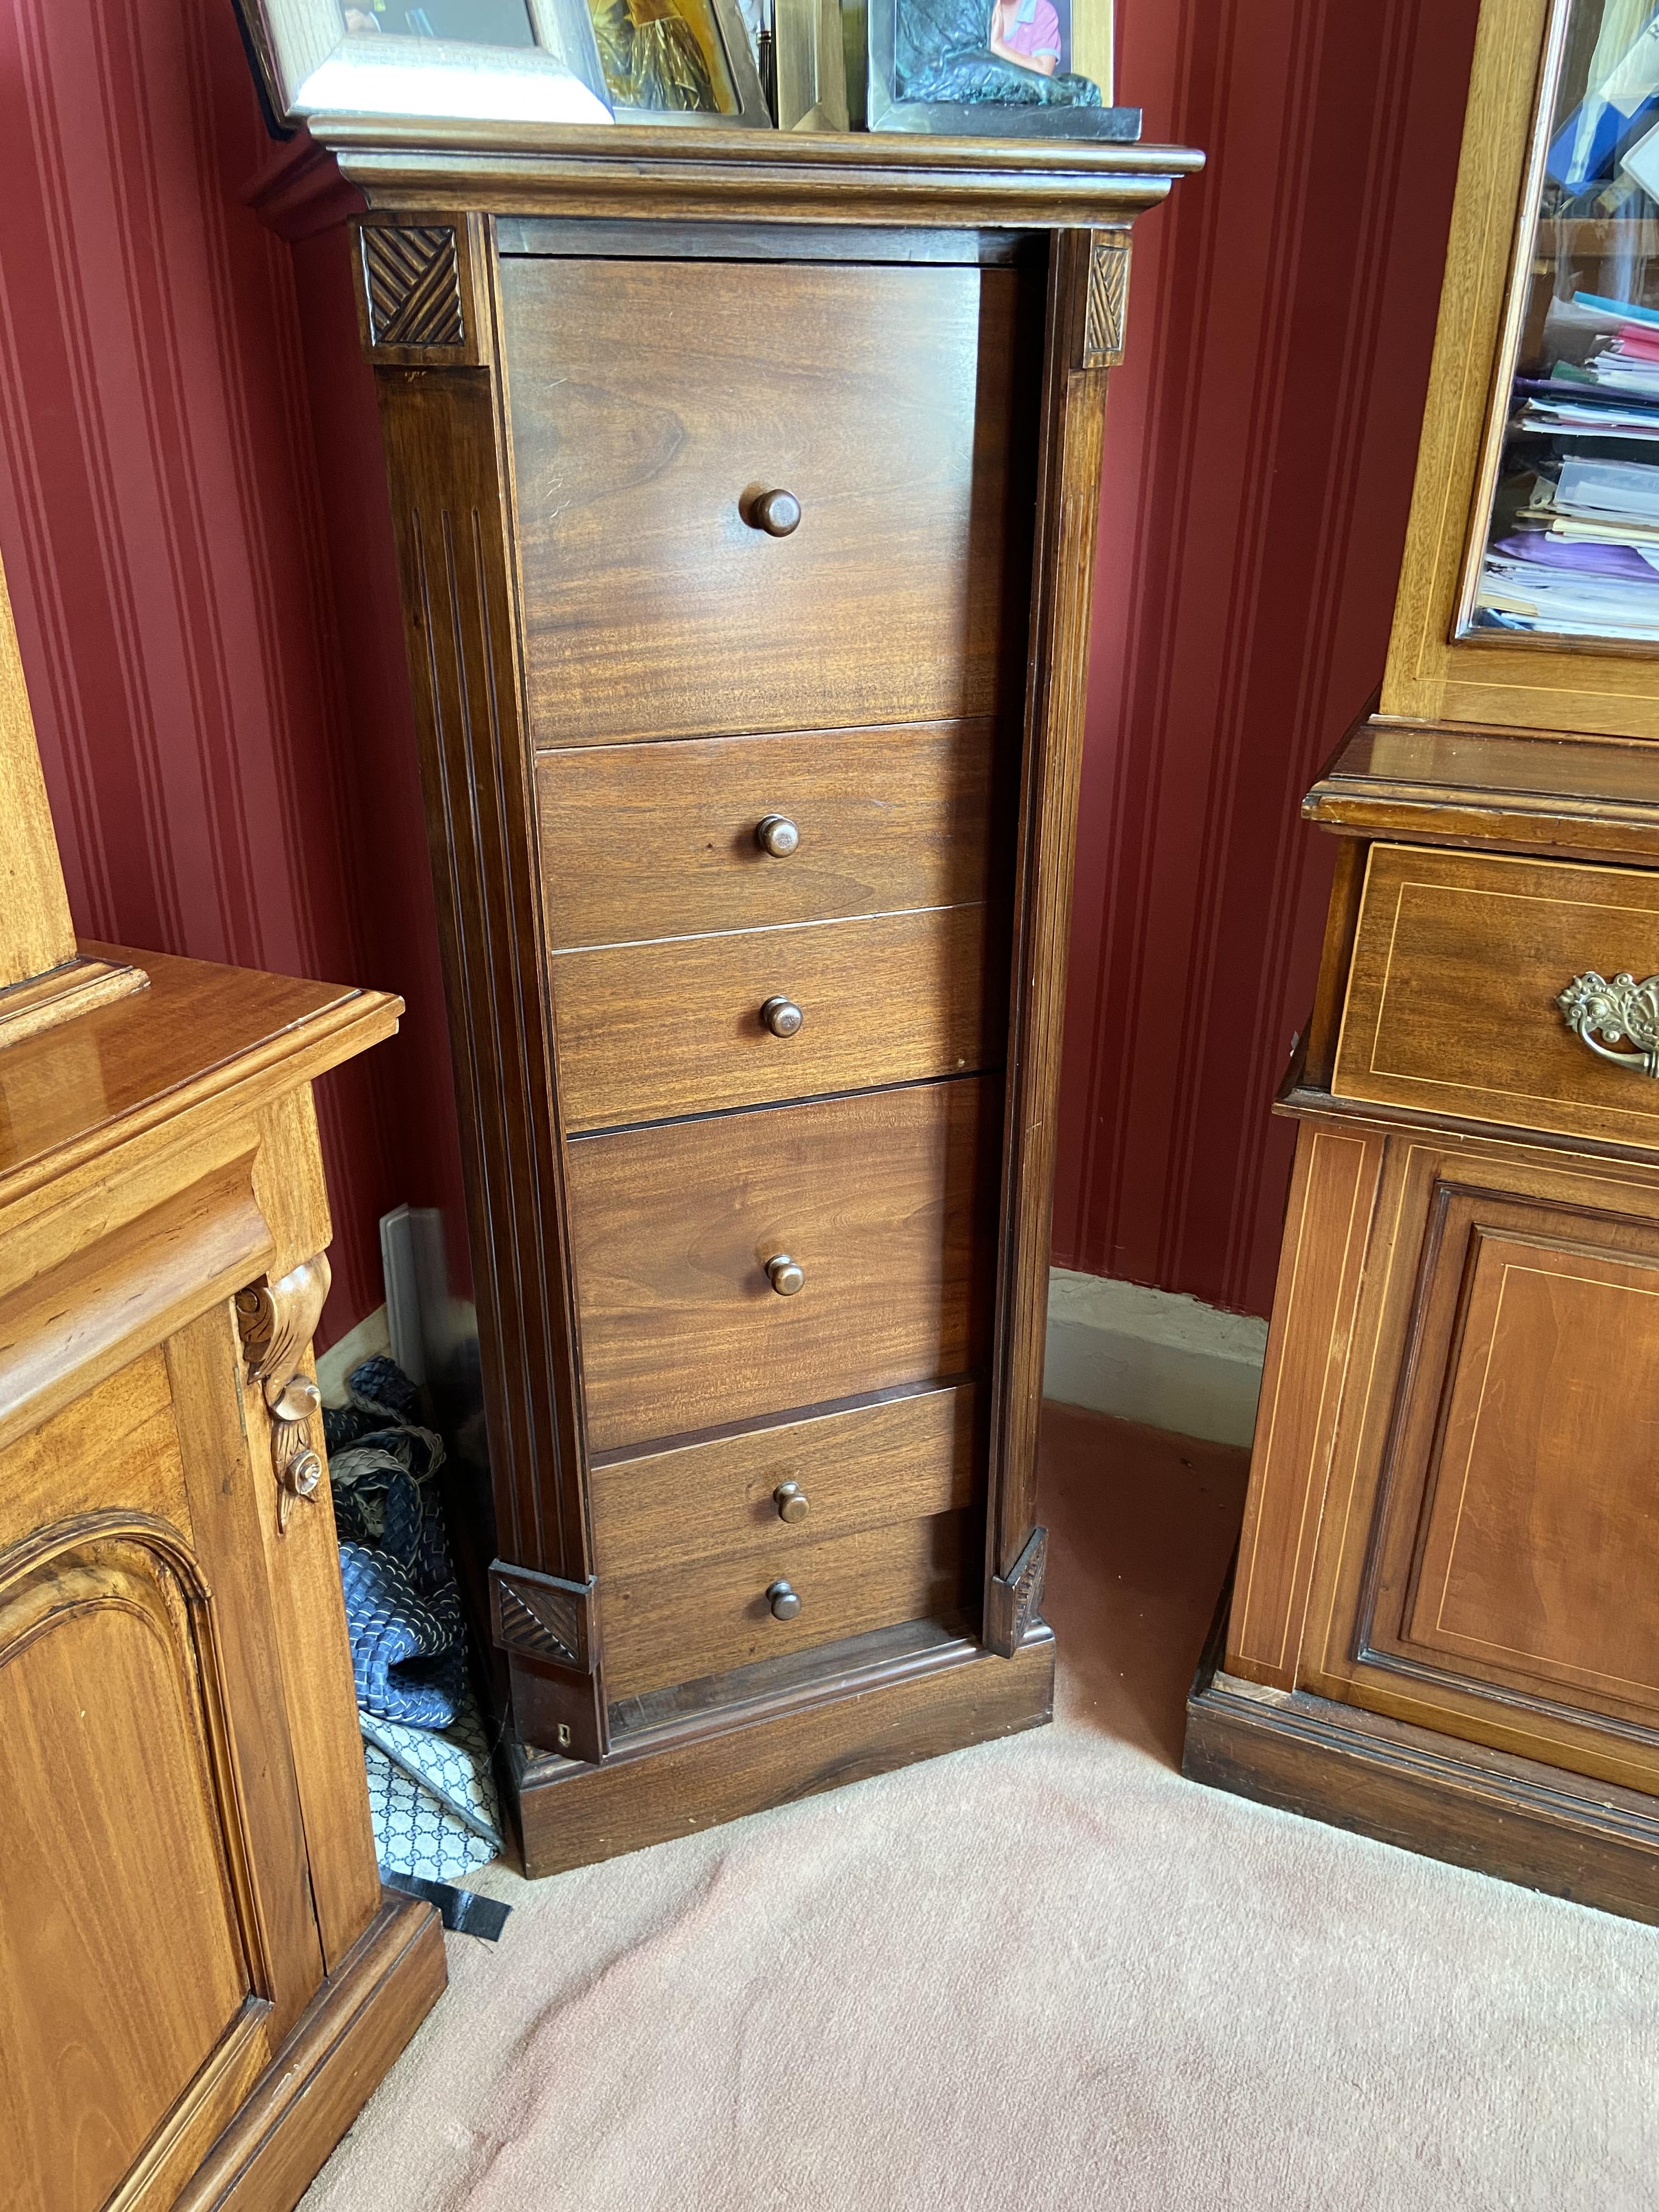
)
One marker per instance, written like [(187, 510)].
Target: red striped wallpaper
[(1260, 445), (194, 664), (216, 667)]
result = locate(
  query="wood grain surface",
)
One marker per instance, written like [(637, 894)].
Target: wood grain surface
[(649, 1031), (124, 1963), (1073, 412), (1519, 1544), (1458, 960), (706, 1616), (1422, 1791), (197, 1030), (648, 404), (1327, 1226), (850, 1722), (903, 1459), (36, 932), (343, 2045), (659, 840), (1441, 1377), (1508, 789), (885, 1201), (449, 508)]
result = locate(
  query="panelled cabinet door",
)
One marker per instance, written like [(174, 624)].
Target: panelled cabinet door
[(140, 1994), (1517, 1548)]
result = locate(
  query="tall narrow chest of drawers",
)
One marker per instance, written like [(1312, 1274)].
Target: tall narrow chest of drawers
[(746, 502)]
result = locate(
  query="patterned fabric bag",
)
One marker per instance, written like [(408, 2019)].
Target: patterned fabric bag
[(431, 1790)]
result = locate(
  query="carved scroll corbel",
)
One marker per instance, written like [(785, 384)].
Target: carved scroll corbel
[(278, 1321)]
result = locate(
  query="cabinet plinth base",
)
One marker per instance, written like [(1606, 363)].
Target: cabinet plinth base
[(1430, 1793), (341, 2048), (676, 1773)]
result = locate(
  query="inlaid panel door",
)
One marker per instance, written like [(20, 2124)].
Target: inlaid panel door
[(1517, 1546), (155, 1936)]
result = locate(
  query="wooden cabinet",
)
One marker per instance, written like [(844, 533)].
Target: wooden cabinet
[(1445, 1626), (201, 1978), (746, 533)]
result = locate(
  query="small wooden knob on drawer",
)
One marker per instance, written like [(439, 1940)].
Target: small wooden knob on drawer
[(778, 836), (786, 1275), (776, 513), (782, 1016), (790, 1501), (783, 1602)]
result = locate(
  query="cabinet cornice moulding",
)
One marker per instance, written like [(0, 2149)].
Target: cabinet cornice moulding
[(419, 164)]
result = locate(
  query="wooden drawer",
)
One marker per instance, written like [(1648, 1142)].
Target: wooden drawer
[(679, 1623), (647, 1031), (886, 1201), (905, 1459), (1459, 959), (650, 402), (659, 839)]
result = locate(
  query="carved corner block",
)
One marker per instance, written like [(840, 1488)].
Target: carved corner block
[(541, 1617), (418, 292), (1012, 1602), (1106, 301), (277, 1322)]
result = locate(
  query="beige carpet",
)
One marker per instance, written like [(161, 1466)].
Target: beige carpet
[(1041, 1974)]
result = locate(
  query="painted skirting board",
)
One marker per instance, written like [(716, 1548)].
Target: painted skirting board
[(1155, 1357)]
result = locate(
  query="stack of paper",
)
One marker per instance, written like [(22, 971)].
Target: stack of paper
[(1582, 559), (1586, 562)]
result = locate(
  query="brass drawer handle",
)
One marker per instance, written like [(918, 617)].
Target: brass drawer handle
[(782, 1016), (790, 1501), (785, 1275), (1622, 1011), (776, 513), (777, 834), (784, 1602)]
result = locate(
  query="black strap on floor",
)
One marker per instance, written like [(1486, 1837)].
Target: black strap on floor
[(464, 1912)]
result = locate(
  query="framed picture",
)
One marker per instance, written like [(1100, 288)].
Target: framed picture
[(678, 61), (809, 59), (1011, 68), (528, 61)]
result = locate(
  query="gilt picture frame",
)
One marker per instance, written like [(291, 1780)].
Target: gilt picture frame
[(1012, 68), (527, 61), (693, 58)]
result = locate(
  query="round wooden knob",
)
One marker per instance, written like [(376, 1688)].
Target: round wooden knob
[(782, 1016), (776, 513), (786, 1275), (783, 1602), (790, 1501), (778, 836)]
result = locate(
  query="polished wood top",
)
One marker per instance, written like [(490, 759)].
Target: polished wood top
[(198, 1031), (1461, 784)]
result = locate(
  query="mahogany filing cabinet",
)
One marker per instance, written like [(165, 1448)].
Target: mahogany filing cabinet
[(745, 500)]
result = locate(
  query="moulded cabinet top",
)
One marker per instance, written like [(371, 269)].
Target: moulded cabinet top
[(738, 175), (199, 1031), (1464, 785)]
